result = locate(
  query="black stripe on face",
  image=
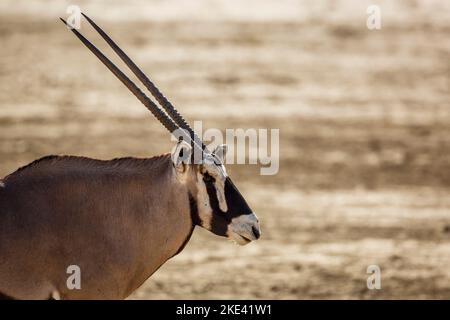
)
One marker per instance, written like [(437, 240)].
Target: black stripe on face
[(193, 208), (219, 221), (236, 204)]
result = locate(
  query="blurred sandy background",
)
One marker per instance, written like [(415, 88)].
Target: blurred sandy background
[(364, 117)]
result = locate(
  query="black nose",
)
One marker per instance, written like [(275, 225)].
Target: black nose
[(256, 232)]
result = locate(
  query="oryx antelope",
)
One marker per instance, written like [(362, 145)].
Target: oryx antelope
[(117, 220)]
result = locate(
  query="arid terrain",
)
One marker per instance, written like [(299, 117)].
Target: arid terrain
[(364, 119)]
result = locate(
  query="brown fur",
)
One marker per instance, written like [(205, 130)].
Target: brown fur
[(118, 220)]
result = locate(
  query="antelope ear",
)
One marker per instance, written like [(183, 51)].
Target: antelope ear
[(181, 155), (221, 152)]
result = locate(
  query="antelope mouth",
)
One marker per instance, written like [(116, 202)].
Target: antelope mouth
[(244, 229), (239, 239), (247, 240)]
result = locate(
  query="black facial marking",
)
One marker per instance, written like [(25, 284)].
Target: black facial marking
[(208, 178), (219, 220), (193, 210), (235, 203), (195, 221)]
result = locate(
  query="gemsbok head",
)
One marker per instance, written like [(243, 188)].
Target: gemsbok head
[(220, 208), (79, 228)]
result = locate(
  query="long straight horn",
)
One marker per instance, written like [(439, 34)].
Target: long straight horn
[(170, 109), (167, 122)]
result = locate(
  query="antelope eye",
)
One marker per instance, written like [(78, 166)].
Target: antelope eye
[(208, 178)]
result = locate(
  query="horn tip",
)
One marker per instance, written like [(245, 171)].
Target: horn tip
[(87, 18)]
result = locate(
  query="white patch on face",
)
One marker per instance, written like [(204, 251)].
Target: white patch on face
[(211, 161), (2, 184), (224, 171), (204, 207), (220, 190), (241, 229), (220, 175), (220, 187)]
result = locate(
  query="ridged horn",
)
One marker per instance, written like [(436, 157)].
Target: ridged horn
[(167, 122), (163, 101)]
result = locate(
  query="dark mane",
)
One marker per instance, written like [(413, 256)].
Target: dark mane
[(34, 163), (66, 162)]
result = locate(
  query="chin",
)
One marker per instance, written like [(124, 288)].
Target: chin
[(237, 238)]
